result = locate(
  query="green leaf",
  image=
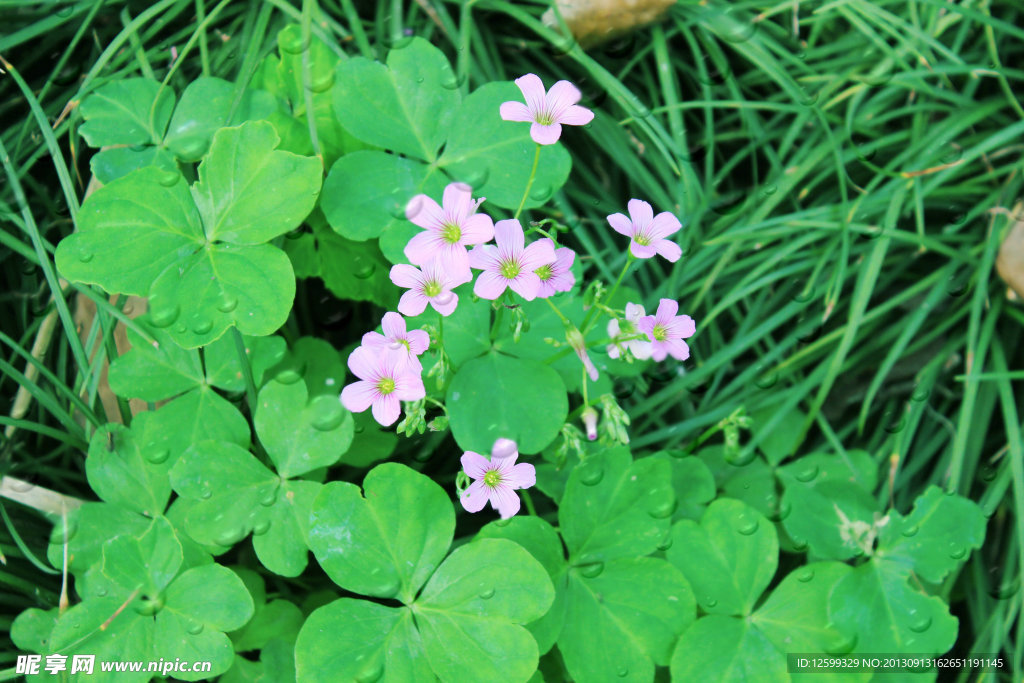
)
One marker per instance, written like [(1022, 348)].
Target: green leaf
[(936, 537), (467, 331), (829, 515), (129, 111), (206, 105), (624, 619), (356, 271), (154, 371), (495, 157), (280, 619), (280, 538), (199, 415), (795, 616), (321, 366), (88, 528), (406, 106), (249, 193), (370, 443), (127, 637), (211, 595), (365, 192), (782, 436), (470, 612), (531, 411), (541, 540), (729, 558), (614, 507), (119, 473), (725, 649), (251, 288), (32, 628), (299, 433), (301, 251), (359, 640), (224, 371), (388, 543), (114, 162), (877, 610), (693, 483), (231, 490), (149, 209), (148, 562)]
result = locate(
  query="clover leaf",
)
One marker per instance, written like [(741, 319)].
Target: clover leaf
[(200, 252), (461, 616)]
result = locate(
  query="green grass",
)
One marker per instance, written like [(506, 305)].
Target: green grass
[(842, 176)]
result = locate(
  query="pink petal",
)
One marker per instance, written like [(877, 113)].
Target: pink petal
[(358, 396), (454, 259), (533, 92), (634, 312), (422, 248), (576, 116), (489, 285), (515, 111), (509, 236), (458, 202), (613, 351), (409, 386), (564, 256), (505, 501), (364, 363), (546, 135), (419, 341), (404, 275), (523, 476), (477, 229), (683, 326), (393, 325), (641, 350), (448, 307), (642, 250), (424, 212), (664, 224), (668, 249), (641, 212), (483, 257), (526, 285), (658, 351), (475, 497), (539, 253), (667, 309), (678, 349), (646, 325), (621, 224), (374, 340), (475, 465), (561, 96), (587, 364), (386, 410), (412, 303)]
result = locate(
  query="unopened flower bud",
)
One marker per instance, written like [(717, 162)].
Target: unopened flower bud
[(590, 422)]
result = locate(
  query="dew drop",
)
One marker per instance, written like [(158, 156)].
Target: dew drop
[(805, 575), (769, 190), (622, 672), (767, 378), (477, 177), (710, 602), (288, 376), (741, 458), (921, 393), (85, 256), (388, 588), (363, 269), (959, 282), (591, 473), (487, 594), (502, 522), (910, 531), (780, 511), (807, 474), (957, 552), (195, 628), (840, 644), (202, 326), (1006, 589), (370, 674), (322, 81), (541, 193), (158, 457), (205, 493), (164, 316), (799, 546), (227, 303), (101, 591), (169, 178), (921, 625), (663, 509), (747, 527), (666, 543), (592, 570), (230, 537), (181, 328), (292, 42), (450, 81), (269, 498), (329, 417), (261, 528)]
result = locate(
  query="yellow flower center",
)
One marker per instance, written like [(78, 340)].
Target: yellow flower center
[(432, 288), (492, 478), (385, 385), (451, 233), (660, 333), (510, 270), (544, 273)]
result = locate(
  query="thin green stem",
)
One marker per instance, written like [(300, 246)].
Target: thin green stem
[(529, 183), (594, 310), (529, 502), (243, 360)]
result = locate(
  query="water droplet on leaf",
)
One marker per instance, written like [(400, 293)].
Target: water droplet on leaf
[(195, 628), (591, 473), (592, 570), (957, 552), (202, 326), (164, 316), (747, 526), (158, 457), (710, 602), (840, 644), (921, 625), (227, 303), (663, 509), (261, 528), (230, 537), (487, 594), (805, 575), (328, 415), (85, 256), (169, 178), (807, 474), (910, 530), (269, 498), (370, 674), (288, 376)]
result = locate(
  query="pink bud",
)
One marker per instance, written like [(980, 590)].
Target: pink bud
[(590, 422), (504, 448)]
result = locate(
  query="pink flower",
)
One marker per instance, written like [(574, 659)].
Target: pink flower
[(590, 422), (556, 277), (496, 481), (448, 229), (405, 345), (666, 330), (386, 380), (639, 348), (647, 231), (510, 264), (432, 285), (547, 112)]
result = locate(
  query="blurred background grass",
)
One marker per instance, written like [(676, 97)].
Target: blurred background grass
[(845, 173)]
